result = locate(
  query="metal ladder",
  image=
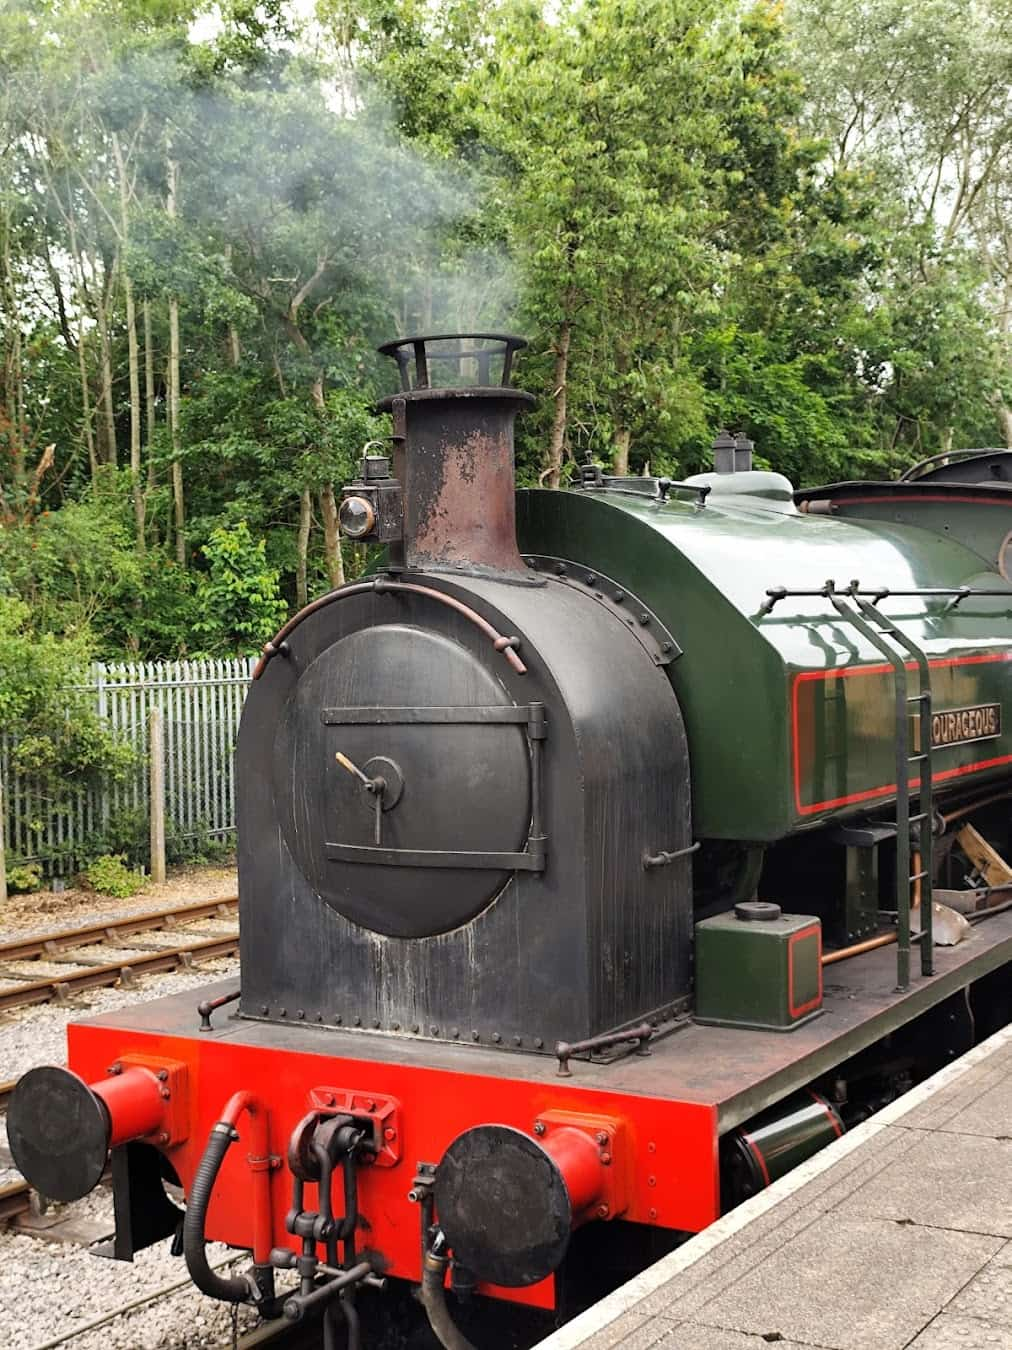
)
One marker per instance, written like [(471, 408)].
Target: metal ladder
[(877, 628)]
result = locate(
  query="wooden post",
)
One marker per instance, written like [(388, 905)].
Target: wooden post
[(3, 852), (157, 788)]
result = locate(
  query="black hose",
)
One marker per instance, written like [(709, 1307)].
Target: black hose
[(237, 1288), (433, 1299)]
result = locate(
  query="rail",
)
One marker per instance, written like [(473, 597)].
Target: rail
[(24, 991)]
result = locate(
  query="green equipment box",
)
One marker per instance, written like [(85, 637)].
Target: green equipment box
[(758, 967)]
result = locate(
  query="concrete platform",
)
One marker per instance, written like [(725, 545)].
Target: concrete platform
[(898, 1236)]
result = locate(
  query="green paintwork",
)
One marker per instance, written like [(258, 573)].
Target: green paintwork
[(758, 973), (742, 678)]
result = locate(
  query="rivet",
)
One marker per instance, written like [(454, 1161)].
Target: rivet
[(414, 1026), (560, 569), (115, 1069), (603, 1211), (619, 597), (539, 1127), (283, 1012), (518, 1040), (456, 1033), (653, 1214), (389, 1134), (358, 1021), (667, 647), (539, 1043), (644, 618), (338, 1020), (496, 1037), (651, 1181), (591, 578), (475, 1036), (264, 1009), (651, 1148), (162, 1075), (301, 1014), (433, 1031), (319, 1017), (163, 1138), (601, 1136), (605, 1159), (395, 1026)]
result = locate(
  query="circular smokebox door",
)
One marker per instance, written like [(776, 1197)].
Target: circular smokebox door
[(379, 699)]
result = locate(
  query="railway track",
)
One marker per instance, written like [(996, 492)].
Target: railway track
[(85, 972)]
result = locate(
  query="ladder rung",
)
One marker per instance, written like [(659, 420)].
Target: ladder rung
[(916, 934), (920, 698), (916, 820), (918, 876), (916, 759)]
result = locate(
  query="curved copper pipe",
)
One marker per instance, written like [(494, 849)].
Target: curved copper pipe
[(965, 810), (380, 586)]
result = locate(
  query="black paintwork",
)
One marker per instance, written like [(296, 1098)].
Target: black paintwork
[(592, 942)]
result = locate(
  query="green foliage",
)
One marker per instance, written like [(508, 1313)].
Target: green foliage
[(23, 877), (238, 598), (60, 746), (109, 875)]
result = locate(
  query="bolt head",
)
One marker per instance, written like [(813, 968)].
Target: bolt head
[(163, 1138), (603, 1211), (601, 1137), (389, 1134), (162, 1075), (605, 1159), (651, 1181), (653, 1214), (539, 1127)]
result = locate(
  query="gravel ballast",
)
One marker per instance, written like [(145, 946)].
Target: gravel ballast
[(48, 1290)]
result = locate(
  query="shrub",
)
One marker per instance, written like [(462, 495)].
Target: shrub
[(109, 875), (24, 877)]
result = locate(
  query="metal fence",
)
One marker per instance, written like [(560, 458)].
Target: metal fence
[(200, 701)]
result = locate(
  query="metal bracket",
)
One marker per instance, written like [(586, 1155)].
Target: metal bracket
[(644, 625), (530, 715)]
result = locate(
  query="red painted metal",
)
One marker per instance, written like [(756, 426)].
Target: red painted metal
[(662, 1168), (134, 1102)]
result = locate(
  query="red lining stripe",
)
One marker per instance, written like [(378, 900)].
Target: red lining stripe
[(887, 789), (814, 929), (919, 497), (821, 1101), (753, 1148)]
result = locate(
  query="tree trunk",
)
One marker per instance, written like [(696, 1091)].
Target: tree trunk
[(149, 382), (133, 353), (621, 458), (234, 347), (89, 438), (552, 475), (110, 455), (331, 536), (302, 556), (178, 507), (1005, 422)]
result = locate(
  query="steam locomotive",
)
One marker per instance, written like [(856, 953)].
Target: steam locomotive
[(602, 854)]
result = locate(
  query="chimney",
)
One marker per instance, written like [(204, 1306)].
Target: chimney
[(724, 452), (743, 448), (453, 451)]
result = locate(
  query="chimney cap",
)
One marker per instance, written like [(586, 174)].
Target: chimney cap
[(415, 351)]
